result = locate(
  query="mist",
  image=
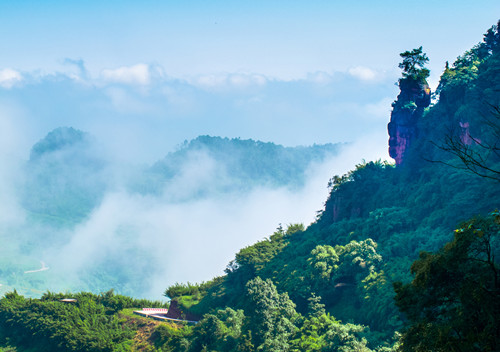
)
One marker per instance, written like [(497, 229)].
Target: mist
[(139, 113), (190, 228)]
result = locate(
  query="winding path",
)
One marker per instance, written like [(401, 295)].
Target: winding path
[(43, 268)]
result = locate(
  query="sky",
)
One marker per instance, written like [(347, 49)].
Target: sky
[(282, 39), (143, 77), (160, 72)]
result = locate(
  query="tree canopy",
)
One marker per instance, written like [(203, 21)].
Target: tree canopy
[(413, 64), (453, 303)]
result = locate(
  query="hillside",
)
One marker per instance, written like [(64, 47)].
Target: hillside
[(403, 257), (379, 217)]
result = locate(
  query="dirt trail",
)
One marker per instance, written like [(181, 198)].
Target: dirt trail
[(43, 268)]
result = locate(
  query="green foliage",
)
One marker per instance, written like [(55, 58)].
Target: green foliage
[(218, 332), (324, 333), (250, 163), (453, 303), (179, 289), (50, 325), (323, 261), (413, 65), (271, 316), (170, 338), (89, 324), (315, 307), (375, 222)]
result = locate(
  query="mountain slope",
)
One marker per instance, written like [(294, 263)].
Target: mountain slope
[(378, 217)]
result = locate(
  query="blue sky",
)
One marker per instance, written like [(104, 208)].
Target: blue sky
[(293, 72), (285, 39)]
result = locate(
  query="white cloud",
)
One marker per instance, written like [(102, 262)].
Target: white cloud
[(124, 102), (363, 73), (9, 77), (233, 80), (210, 81), (135, 75), (320, 77)]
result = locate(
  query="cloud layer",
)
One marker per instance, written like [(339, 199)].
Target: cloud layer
[(142, 111)]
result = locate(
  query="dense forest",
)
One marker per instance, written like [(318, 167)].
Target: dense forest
[(403, 257)]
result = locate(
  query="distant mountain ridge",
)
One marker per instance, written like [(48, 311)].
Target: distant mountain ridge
[(67, 177), (60, 139), (242, 163)]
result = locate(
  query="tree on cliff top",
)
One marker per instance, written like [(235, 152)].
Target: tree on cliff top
[(413, 64)]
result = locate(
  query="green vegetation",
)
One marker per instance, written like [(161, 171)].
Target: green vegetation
[(413, 65), (346, 282), (243, 164), (453, 303), (376, 221), (47, 324)]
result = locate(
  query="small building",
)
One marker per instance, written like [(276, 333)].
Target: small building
[(68, 300)]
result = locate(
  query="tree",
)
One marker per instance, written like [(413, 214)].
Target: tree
[(325, 333), (469, 96), (315, 307), (480, 156), (413, 64), (453, 303), (323, 261), (219, 331), (271, 316)]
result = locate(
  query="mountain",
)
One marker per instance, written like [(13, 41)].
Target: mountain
[(64, 177), (67, 176), (376, 221), (235, 164), (403, 257)]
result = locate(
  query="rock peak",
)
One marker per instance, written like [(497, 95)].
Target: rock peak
[(407, 110)]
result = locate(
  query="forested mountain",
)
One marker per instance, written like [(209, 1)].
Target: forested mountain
[(67, 175), (347, 282), (64, 177), (238, 164)]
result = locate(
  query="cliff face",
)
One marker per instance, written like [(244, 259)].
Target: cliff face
[(407, 110)]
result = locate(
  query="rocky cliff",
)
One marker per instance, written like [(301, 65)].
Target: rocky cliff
[(408, 108)]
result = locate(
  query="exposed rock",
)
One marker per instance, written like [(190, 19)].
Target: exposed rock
[(175, 312), (407, 110), (337, 206)]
